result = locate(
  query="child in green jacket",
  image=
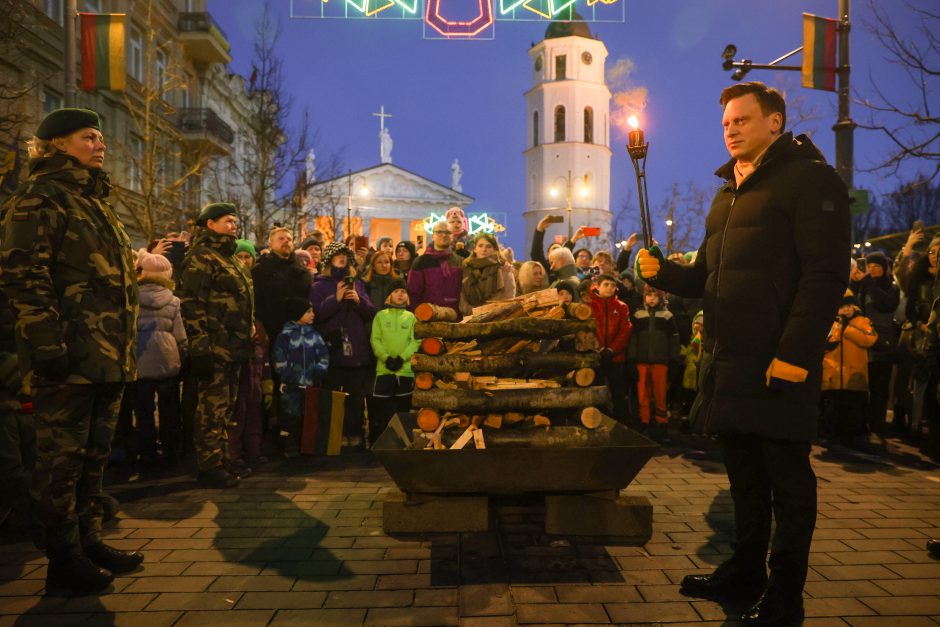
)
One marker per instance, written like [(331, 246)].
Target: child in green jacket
[(393, 342)]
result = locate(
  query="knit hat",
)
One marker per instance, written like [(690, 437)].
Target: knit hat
[(295, 307), (154, 266), (334, 248), (457, 211), (409, 245), (878, 259), (64, 122), (849, 298), (245, 246), (214, 211), (398, 284), (310, 241)]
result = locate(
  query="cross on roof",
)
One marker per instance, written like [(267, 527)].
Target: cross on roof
[(382, 115)]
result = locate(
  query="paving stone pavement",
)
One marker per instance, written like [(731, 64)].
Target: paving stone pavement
[(303, 543)]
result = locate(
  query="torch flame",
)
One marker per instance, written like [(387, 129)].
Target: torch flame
[(633, 122)]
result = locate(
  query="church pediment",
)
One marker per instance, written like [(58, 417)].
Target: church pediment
[(390, 182)]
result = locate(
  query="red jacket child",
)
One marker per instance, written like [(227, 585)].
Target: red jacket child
[(612, 316)]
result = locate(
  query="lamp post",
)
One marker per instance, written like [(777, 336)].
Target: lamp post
[(364, 191), (638, 148), (583, 192)]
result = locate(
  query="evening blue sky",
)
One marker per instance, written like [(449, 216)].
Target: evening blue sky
[(464, 99)]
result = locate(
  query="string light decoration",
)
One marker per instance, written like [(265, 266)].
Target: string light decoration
[(476, 223), (456, 19)]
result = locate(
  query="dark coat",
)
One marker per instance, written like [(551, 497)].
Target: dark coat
[(275, 280), (347, 325), (879, 300), (435, 278), (772, 271), (655, 338)]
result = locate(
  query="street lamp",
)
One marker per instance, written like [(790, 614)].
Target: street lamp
[(363, 191), (583, 191)]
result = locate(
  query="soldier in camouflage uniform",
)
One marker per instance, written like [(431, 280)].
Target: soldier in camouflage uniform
[(217, 303), (66, 266)]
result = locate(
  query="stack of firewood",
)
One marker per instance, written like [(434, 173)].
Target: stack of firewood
[(514, 364)]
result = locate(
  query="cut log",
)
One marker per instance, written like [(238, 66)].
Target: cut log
[(444, 385), (582, 377), (552, 313), (494, 311), (461, 348), (504, 364), (432, 346), (591, 417), (478, 442), (513, 418), (493, 421), (428, 419), (493, 401), (578, 311), (524, 327), (426, 312), (493, 383), (538, 420), (424, 380)]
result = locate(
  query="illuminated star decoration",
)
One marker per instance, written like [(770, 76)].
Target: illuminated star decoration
[(591, 3), (373, 7), (476, 223), (457, 28)]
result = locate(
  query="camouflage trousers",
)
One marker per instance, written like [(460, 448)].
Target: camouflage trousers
[(215, 406), (17, 452), (74, 427)]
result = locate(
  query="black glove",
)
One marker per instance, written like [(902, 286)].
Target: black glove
[(607, 357), (55, 369), (394, 364), (202, 366)]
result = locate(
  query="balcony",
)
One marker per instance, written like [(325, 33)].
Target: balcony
[(203, 131), (203, 41)]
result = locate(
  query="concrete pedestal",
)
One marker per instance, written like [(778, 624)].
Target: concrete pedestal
[(422, 513), (599, 514)]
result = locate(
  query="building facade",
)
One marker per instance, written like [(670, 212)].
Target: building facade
[(568, 134)]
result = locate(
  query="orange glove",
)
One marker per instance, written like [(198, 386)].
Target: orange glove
[(783, 376), (647, 264)]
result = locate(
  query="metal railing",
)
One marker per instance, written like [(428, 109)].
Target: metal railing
[(203, 23), (204, 121)]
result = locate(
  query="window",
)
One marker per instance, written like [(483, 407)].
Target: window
[(50, 101), (91, 6), (588, 125), (160, 70), (135, 55), (561, 67), (55, 9), (535, 128), (133, 164), (559, 124), (184, 91)]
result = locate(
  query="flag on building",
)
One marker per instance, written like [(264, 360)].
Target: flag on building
[(819, 52), (103, 63)]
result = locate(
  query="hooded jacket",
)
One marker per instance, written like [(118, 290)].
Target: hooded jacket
[(69, 273), (655, 338), (845, 364), (435, 278), (613, 325), (161, 338), (771, 271), (393, 335), (301, 357), (344, 325)]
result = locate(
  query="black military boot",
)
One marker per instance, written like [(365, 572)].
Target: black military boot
[(729, 582), (115, 560), (217, 477), (71, 573)]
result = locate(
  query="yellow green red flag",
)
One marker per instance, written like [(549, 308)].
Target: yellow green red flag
[(103, 51), (819, 52)]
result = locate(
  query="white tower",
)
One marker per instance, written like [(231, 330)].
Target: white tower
[(567, 113)]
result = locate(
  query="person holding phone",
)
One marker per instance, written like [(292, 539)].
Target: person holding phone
[(343, 316)]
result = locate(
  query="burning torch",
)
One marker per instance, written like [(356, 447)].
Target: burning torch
[(638, 148)]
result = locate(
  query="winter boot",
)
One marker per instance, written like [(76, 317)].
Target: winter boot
[(115, 560), (71, 573), (217, 477)]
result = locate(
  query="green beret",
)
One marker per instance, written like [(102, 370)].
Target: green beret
[(214, 211), (245, 246), (64, 122)]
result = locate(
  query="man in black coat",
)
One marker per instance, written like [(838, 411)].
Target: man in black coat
[(277, 277), (772, 270)]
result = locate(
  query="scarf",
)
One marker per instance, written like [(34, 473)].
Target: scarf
[(482, 279)]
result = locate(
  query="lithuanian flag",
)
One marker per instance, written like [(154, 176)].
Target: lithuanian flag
[(819, 52), (103, 51)]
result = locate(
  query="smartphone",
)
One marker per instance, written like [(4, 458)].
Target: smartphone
[(361, 241), (592, 231), (918, 225), (555, 219), (862, 264), (350, 281)]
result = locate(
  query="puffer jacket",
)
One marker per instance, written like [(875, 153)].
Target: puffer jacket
[(613, 325), (771, 271), (301, 357), (344, 325), (655, 338), (435, 278), (393, 335), (161, 338), (845, 364)]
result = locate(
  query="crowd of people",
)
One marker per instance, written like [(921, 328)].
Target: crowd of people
[(205, 346)]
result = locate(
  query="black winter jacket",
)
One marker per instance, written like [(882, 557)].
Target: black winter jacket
[(275, 280), (772, 271)]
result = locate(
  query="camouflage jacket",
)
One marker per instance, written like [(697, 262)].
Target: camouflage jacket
[(216, 299), (66, 265)]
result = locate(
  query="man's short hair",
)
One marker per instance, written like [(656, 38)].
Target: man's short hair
[(770, 99), (277, 230), (563, 255), (583, 250), (607, 277)]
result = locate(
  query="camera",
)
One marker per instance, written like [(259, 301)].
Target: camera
[(594, 270)]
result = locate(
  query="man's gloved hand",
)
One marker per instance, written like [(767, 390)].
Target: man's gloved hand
[(394, 364), (648, 263), (202, 366), (55, 369), (607, 357), (783, 376)]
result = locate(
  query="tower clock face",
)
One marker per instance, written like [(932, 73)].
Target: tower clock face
[(538, 64), (586, 58)]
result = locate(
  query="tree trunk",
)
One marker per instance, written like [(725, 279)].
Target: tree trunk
[(523, 327), (494, 401), (426, 312), (505, 364)]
